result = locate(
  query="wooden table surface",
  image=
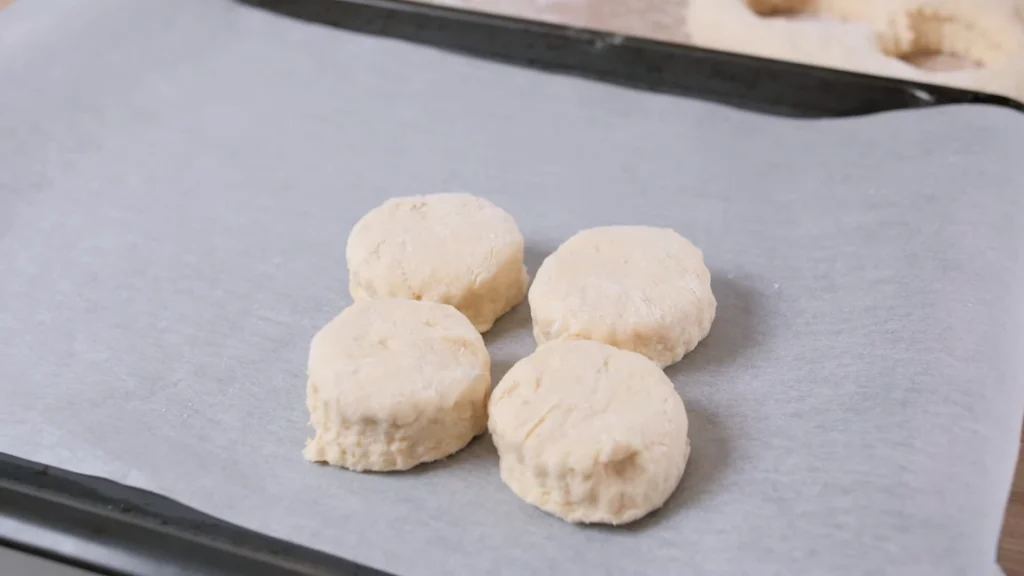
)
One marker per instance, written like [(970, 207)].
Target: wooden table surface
[(664, 20), (1011, 545)]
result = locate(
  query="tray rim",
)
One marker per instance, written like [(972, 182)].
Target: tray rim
[(111, 528), (754, 83)]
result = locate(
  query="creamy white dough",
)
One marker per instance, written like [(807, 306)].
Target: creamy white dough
[(395, 383), (635, 287), (589, 433), (456, 249)]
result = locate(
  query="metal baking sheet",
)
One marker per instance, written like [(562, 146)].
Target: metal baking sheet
[(178, 180)]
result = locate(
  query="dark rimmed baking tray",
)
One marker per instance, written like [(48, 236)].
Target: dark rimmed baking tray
[(110, 528), (747, 82)]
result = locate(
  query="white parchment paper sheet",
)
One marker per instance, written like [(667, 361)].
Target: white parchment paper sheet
[(178, 180)]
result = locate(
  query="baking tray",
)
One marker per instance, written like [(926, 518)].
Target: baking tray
[(752, 83), (172, 221)]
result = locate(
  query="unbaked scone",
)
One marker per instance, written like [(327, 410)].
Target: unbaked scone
[(589, 433), (395, 383), (455, 248), (635, 287)]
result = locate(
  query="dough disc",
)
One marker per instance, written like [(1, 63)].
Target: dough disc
[(589, 433), (395, 383), (451, 248), (635, 287)]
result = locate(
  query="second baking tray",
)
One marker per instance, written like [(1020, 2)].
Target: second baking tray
[(172, 227), (747, 82)]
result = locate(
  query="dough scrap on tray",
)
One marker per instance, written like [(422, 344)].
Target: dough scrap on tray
[(874, 36)]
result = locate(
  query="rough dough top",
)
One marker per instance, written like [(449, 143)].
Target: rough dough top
[(635, 287), (589, 432), (579, 404), (394, 359), (453, 248), (627, 264)]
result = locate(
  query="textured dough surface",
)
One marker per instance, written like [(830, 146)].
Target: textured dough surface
[(637, 288), (589, 433), (395, 383), (454, 248)]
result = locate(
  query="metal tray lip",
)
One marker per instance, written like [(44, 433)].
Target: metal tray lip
[(754, 83), (119, 529), (144, 531)]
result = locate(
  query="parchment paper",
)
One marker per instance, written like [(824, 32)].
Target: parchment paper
[(178, 180)]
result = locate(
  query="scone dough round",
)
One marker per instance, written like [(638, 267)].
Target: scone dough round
[(589, 433), (454, 248), (395, 383), (637, 288)]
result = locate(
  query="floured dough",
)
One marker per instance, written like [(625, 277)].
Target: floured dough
[(394, 383), (452, 248), (635, 287), (589, 433), (873, 36)]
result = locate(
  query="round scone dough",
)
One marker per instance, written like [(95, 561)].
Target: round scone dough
[(395, 383), (589, 433), (454, 248), (635, 287)]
